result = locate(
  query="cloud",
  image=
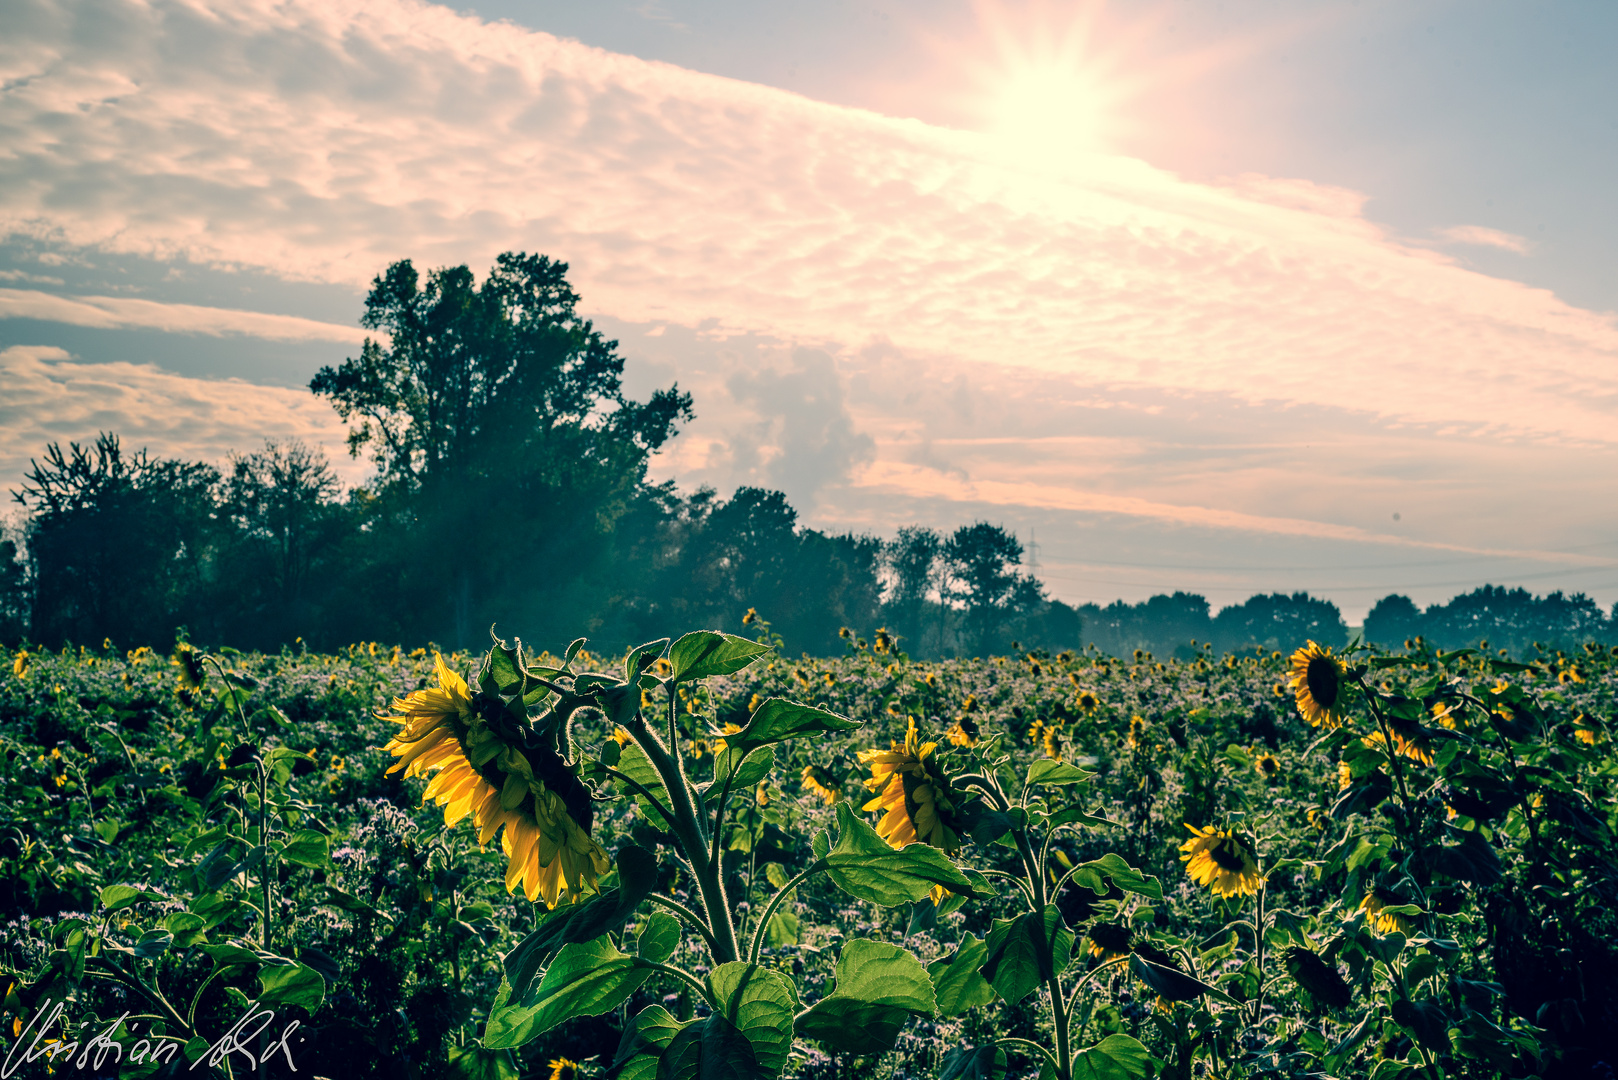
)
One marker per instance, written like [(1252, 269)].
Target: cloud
[(319, 140), (807, 439), (1482, 236), (108, 312), (50, 397)]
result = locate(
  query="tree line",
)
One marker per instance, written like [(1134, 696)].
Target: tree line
[(511, 488)]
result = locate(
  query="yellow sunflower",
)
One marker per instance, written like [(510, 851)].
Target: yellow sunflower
[(822, 783), (719, 744), (565, 1068), (19, 666), (965, 732), (1223, 860), (1087, 702), (189, 661), (1268, 766), (912, 791), (1137, 733), (1386, 922), (483, 767), (1415, 748), (1317, 683)]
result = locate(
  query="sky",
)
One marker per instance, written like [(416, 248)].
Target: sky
[(1224, 297)]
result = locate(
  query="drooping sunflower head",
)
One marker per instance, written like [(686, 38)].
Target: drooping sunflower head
[(912, 793), (1413, 747), (20, 666), (189, 662), (1108, 941), (1375, 906), (1223, 860), (1317, 684), (497, 768), (1054, 741), (882, 641), (1137, 733), (822, 783)]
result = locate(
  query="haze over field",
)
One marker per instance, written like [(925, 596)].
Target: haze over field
[(1076, 272)]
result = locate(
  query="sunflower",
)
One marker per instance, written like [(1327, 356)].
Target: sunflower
[(189, 661), (965, 732), (1317, 682), (1268, 766), (882, 641), (822, 783), (1223, 860), (19, 666), (1586, 730), (1087, 702), (1345, 775), (751, 617), (912, 791), (719, 744), (1108, 941), (1386, 922), (484, 766), (1414, 747), (1137, 733), (1054, 742), (565, 1068)]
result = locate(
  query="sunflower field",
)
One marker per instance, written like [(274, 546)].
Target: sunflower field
[(707, 858)]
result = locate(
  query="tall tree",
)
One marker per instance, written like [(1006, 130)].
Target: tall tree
[(121, 545), (502, 437), (287, 518), (981, 561), (913, 560)]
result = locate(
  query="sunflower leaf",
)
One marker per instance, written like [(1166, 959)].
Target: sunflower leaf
[(702, 653), (779, 719), (291, 984), (1050, 771), (973, 1063), (863, 865), (1023, 952), (580, 923), (585, 979), (759, 1003), (645, 1038), (958, 984), (1117, 1057), (749, 769), (1112, 867), (879, 987)]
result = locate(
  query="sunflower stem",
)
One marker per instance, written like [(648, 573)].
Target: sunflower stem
[(775, 902), (688, 834), (685, 913)]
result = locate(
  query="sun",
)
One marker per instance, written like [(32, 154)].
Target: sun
[(1049, 109)]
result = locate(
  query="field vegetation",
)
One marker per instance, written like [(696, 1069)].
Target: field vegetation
[(713, 859)]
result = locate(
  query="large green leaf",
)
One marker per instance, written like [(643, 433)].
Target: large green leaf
[(779, 719), (479, 1063), (306, 847), (707, 652), (748, 768), (973, 1063), (1024, 952), (659, 937), (863, 865), (759, 1003), (118, 897), (1095, 874), (644, 1040), (1055, 773), (579, 923), (714, 1049), (958, 984), (879, 987), (1170, 983), (1117, 1057), (291, 984), (585, 979), (634, 764)]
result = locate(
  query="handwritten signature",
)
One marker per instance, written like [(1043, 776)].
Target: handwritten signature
[(233, 1044)]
